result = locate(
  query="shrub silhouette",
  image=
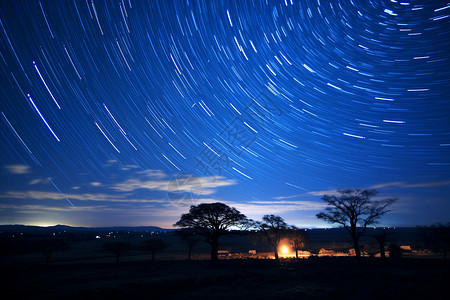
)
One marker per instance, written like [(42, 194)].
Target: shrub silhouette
[(190, 237), (382, 238), (118, 248), (154, 245), (395, 251), (436, 237), (48, 246)]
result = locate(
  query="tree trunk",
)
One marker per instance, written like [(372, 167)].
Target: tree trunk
[(382, 252), (357, 249), (189, 253), (215, 250), (275, 250), (296, 253), (117, 258)]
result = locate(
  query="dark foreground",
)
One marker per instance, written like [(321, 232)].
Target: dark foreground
[(317, 278)]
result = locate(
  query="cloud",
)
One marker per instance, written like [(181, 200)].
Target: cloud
[(38, 180), (321, 193), (130, 191), (260, 208), (287, 197), (18, 169), (410, 185), (129, 167), (400, 184), (297, 205), (40, 195), (135, 184), (36, 208), (124, 212), (178, 184)]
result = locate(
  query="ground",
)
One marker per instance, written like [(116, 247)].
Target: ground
[(317, 278)]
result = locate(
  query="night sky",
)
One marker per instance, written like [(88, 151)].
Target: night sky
[(127, 112)]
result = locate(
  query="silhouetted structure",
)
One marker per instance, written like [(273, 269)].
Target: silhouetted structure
[(395, 251), (190, 237), (297, 238), (272, 227), (355, 210), (212, 220), (436, 237), (382, 238), (118, 248), (48, 246), (154, 245)]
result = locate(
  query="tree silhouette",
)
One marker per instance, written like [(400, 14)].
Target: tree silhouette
[(272, 227), (212, 220), (50, 245), (355, 210), (154, 245), (297, 238), (395, 251), (436, 237), (382, 238), (190, 237), (118, 248)]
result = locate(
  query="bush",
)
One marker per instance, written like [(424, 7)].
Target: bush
[(395, 251)]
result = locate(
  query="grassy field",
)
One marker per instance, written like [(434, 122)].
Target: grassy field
[(317, 278), (83, 270)]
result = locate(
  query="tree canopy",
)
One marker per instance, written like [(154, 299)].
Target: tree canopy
[(212, 220), (354, 209), (273, 228)]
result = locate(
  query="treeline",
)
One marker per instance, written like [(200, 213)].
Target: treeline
[(353, 209)]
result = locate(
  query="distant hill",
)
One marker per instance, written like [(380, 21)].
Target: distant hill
[(59, 228)]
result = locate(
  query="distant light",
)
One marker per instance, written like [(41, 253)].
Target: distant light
[(97, 237)]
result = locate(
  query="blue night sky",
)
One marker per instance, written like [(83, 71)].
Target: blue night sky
[(127, 112)]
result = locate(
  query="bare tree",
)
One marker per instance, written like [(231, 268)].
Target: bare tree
[(355, 210), (297, 238), (437, 237), (154, 245), (118, 248), (212, 220), (190, 237), (272, 227)]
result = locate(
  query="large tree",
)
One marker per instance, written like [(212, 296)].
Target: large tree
[(212, 220), (354, 209), (272, 227)]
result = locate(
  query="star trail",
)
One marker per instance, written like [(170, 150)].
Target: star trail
[(112, 113)]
